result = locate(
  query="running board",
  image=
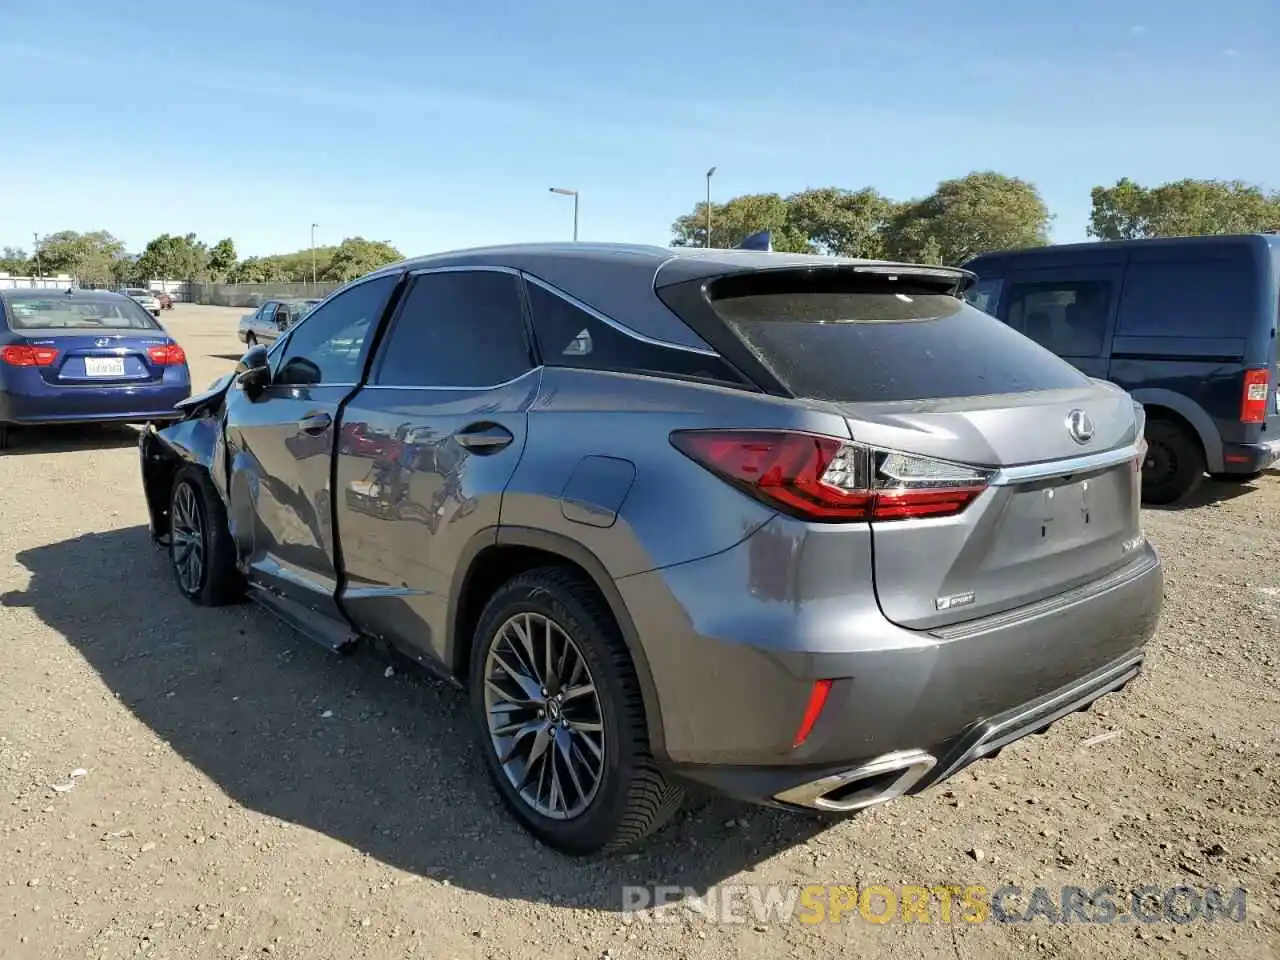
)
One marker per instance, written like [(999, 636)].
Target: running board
[(333, 636)]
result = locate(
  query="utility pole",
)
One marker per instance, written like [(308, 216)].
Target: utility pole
[(710, 173), (313, 254), (570, 193), (35, 246)]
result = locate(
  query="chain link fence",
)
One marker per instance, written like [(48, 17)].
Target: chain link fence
[(253, 294)]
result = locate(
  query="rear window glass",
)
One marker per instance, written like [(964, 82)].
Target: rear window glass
[(854, 339), (62, 312), (1203, 298)]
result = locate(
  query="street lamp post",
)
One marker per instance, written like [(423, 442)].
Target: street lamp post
[(710, 173), (570, 193), (313, 254), (35, 246)]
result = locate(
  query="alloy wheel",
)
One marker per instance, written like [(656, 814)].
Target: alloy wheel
[(187, 534), (544, 716)]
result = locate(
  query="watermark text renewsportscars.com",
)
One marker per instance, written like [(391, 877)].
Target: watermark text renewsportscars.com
[(943, 903)]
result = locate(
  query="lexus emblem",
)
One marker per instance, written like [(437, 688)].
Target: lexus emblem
[(102, 342), (1079, 426)]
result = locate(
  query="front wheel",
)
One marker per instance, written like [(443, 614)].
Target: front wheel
[(201, 552), (560, 716), (250, 340)]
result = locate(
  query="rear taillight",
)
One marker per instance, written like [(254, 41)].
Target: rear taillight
[(24, 355), (1253, 404), (832, 480), (170, 355)]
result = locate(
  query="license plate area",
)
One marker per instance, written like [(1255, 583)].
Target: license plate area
[(104, 366), (1054, 515)]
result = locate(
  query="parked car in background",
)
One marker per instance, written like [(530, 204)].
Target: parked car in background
[(268, 322), (1187, 325), (628, 498), (165, 300), (85, 356), (144, 298)]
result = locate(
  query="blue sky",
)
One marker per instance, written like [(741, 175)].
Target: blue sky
[(437, 125)]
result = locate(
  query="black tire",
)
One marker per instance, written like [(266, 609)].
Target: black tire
[(1237, 477), (1175, 463), (250, 341), (4, 436), (633, 798), (218, 582)]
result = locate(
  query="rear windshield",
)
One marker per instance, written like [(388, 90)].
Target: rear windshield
[(63, 312), (851, 338)]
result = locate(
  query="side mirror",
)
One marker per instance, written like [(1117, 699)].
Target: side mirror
[(253, 373)]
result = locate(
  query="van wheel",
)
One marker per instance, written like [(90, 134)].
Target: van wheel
[(4, 436), (558, 709), (1174, 467)]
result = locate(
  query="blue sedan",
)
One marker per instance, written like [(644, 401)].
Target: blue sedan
[(85, 356)]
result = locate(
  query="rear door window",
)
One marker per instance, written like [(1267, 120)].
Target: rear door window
[(852, 338), (1194, 298), (1068, 317), (457, 328)]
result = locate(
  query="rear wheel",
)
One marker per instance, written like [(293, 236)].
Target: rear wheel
[(4, 436), (561, 721), (1175, 465), (250, 340), (201, 552)]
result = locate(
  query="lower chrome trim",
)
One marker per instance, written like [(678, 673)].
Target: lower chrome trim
[(913, 764)]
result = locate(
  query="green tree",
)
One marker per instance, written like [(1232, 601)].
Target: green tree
[(846, 223), (257, 270), (356, 256), (89, 257), (734, 221), (222, 259), (973, 214), (174, 258), (1182, 208), (15, 262)]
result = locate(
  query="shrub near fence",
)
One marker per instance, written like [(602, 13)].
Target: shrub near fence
[(254, 294)]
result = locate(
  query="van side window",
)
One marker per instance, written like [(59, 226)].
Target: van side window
[(1214, 298), (1068, 317), (985, 295)]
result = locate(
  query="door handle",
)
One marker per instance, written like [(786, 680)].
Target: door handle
[(484, 437), (315, 423)]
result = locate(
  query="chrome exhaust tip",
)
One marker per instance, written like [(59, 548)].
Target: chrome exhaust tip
[(877, 781)]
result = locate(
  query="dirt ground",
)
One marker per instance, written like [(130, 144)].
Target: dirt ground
[(244, 793)]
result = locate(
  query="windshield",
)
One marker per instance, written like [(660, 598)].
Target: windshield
[(40, 313), (138, 293)]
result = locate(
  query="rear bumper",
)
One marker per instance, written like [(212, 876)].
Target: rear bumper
[(1250, 457), (730, 708), (844, 789), (94, 405)]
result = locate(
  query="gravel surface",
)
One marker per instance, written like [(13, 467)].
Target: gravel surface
[(178, 782)]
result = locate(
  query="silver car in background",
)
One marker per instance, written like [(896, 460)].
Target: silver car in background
[(144, 298), (813, 532), (268, 322)]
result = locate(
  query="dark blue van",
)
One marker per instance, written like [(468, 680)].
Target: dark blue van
[(1187, 325)]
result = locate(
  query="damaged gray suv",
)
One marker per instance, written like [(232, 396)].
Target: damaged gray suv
[(813, 532)]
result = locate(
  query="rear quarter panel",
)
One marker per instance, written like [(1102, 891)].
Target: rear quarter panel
[(586, 427)]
